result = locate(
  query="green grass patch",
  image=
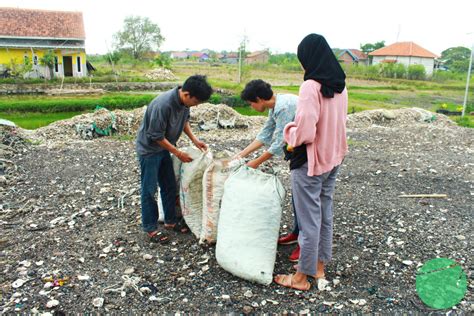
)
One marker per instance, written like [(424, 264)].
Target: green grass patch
[(223, 84), (73, 104), (369, 96), (247, 110), (465, 121), (36, 120)]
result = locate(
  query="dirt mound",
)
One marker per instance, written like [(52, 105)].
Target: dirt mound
[(161, 74), (210, 116), (122, 122), (398, 117), (127, 122)]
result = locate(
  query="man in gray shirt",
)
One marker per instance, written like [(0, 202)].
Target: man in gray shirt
[(166, 117)]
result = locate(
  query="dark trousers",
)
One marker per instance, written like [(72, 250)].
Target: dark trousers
[(157, 170)]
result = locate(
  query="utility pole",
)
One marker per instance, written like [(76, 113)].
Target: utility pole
[(241, 52), (467, 81)]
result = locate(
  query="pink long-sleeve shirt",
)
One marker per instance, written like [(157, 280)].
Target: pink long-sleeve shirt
[(320, 123)]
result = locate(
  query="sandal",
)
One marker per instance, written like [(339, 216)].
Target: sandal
[(312, 276), (286, 280), (158, 238), (180, 227)]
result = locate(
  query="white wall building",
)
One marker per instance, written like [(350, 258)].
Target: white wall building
[(406, 53)]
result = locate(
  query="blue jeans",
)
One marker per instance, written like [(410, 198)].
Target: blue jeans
[(157, 170)]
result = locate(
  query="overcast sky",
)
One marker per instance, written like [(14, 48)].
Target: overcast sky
[(277, 25)]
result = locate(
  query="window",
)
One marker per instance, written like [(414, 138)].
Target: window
[(35, 60), (78, 64), (26, 60), (56, 66)]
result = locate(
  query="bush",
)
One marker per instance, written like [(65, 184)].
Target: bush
[(372, 72), (443, 76), (400, 71), (163, 61), (232, 101), (416, 72)]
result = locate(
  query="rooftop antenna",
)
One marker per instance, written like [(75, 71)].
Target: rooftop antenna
[(398, 33)]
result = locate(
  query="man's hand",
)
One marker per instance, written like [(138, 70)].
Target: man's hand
[(237, 156), (184, 157), (253, 164), (200, 145)]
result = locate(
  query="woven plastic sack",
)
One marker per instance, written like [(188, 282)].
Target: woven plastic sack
[(248, 226), (213, 190), (190, 193)]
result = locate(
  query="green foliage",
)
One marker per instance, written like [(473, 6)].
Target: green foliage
[(369, 96), (393, 70), (54, 105), (215, 98), (247, 110), (456, 58), (233, 100), (113, 57), (444, 76), (400, 71), (368, 48), (465, 121), (17, 70), (416, 72), (48, 61), (139, 35), (164, 61), (372, 71)]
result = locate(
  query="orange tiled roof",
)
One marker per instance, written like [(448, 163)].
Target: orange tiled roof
[(41, 23), (403, 49), (359, 54)]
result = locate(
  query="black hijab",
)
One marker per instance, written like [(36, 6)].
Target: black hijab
[(321, 65)]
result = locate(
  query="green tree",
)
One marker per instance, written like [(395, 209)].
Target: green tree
[(368, 48), (48, 61), (139, 35), (456, 58), (113, 57)]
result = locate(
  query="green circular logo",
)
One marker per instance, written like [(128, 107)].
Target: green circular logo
[(441, 283)]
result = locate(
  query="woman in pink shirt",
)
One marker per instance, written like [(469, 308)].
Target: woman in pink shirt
[(317, 139)]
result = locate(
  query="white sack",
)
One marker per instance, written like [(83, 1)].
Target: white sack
[(190, 193), (249, 223)]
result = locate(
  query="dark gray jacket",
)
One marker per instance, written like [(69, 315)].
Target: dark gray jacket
[(165, 117)]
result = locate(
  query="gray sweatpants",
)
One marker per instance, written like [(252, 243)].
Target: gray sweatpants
[(313, 198)]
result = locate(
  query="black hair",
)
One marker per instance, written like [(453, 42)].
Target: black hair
[(198, 87), (256, 89)]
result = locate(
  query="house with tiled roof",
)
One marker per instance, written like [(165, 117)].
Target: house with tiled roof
[(261, 56), (351, 56), (406, 53), (179, 55), (230, 58), (26, 35)]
